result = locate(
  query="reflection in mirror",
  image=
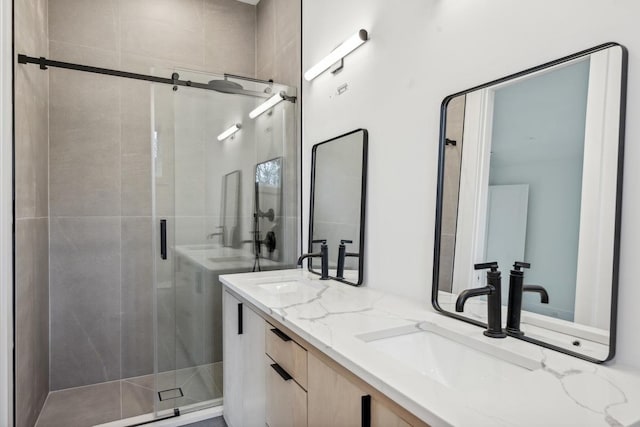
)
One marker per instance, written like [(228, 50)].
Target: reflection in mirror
[(339, 169), (530, 172), (230, 227), (268, 208)]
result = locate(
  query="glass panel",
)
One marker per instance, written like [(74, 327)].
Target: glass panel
[(221, 218)]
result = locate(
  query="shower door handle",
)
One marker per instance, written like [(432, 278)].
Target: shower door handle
[(163, 238)]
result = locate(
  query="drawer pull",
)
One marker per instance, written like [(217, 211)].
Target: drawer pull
[(366, 411), (284, 374), (240, 319), (284, 337)]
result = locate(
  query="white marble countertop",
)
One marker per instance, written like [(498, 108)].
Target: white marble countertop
[(555, 390), (215, 257)]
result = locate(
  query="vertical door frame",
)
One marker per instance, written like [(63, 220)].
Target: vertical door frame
[(474, 189), (596, 241), (6, 214)]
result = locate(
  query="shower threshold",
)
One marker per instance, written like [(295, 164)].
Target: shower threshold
[(188, 414), (123, 401)]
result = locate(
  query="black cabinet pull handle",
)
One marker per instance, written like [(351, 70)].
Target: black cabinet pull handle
[(366, 411), (284, 374), (284, 337), (239, 318), (163, 238)]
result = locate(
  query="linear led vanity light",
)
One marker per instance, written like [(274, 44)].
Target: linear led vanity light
[(227, 133), (348, 46), (268, 104)]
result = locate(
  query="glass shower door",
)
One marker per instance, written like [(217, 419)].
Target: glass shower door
[(205, 196), (188, 334)]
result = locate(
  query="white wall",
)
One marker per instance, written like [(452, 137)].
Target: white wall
[(419, 52)]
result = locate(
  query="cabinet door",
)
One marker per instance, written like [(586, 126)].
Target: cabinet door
[(332, 399), (233, 368), (286, 400), (254, 390), (382, 416)]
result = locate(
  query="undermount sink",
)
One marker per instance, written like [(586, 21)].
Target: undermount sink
[(282, 287), (203, 247), (453, 360), (231, 258), (290, 290)]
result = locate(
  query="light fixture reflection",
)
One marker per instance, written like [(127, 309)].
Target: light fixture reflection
[(268, 104), (229, 132)]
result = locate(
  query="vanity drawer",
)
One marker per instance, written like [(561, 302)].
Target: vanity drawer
[(286, 403), (287, 353)]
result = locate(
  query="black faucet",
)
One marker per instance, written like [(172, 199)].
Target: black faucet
[(494, 299), (342, 254), (220, 234), (516, 288), (323, 254)]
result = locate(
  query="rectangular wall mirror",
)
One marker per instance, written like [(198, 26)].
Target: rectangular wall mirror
[(338, 193), (530, 170)]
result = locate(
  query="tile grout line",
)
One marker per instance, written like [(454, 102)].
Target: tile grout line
[(119, 32), (49, 225), (44, 405), (83, 386)]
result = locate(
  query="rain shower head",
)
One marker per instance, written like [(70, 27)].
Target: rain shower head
[(225, 86)]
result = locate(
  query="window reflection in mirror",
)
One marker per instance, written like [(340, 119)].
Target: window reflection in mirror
[(230, 227), (268, 208), (530, 172)]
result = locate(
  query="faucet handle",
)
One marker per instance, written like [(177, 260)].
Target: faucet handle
[(520, 264), (343, 241), (323, 241), (493, 265)]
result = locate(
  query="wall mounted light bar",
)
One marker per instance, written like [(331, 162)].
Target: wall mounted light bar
[(229, 132), (345, 48), (270, 103)]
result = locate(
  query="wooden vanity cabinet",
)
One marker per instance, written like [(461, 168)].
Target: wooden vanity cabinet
[(334, 400), (382, 416), (273, 377), (286, 400), (286, 366)]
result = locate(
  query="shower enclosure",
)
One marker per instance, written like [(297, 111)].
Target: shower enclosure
[(208, 218), (221, 202), (137, 183)]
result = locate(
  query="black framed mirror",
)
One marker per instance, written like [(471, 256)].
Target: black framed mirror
[(337, 208), (530, 171)]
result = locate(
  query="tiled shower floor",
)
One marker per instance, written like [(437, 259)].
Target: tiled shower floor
[(111, 401)]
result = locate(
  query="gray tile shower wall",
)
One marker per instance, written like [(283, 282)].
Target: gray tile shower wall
[(278, 41), (85, 300), (455, 128), (100, 163), (32, 235)]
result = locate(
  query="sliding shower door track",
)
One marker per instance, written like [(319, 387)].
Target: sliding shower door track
[(174, 80)]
